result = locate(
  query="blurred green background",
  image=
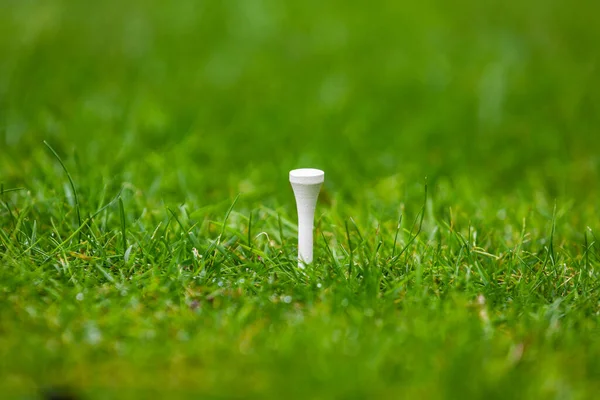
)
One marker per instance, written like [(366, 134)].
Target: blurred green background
[(200, 100)]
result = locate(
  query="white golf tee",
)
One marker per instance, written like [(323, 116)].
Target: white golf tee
[(306, 184)]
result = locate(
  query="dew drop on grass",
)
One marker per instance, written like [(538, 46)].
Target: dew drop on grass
[(501, 214), (287, 299), (92, 334), (79, 296), (134, 302)]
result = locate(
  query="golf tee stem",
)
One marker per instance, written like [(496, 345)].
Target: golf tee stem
[(306, 184)]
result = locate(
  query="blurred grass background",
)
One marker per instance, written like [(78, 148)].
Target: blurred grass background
[(187, 104), (199, 100)]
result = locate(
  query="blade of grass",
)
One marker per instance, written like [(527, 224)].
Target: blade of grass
[(64, 167)]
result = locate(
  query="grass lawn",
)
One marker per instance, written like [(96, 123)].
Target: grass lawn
[(148, 229)]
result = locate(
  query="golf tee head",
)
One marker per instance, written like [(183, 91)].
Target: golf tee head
[(306, 183)]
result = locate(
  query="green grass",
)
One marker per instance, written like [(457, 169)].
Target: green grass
[(149, 250)]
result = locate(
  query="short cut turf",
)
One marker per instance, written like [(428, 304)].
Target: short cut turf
[(148, 228)]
